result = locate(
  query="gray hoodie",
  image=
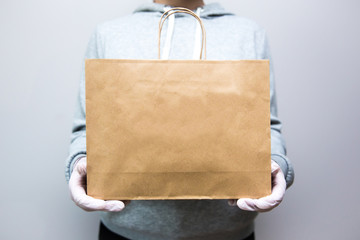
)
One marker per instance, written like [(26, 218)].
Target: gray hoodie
[(135, 37)]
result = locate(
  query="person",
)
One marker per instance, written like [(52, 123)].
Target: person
[(135, 37)]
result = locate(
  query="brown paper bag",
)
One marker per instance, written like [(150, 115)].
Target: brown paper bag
[(178, 129)]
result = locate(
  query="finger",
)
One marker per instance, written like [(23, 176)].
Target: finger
[(81, 199), (269, 202), (88, 203), (232, 202), (278, 186), (257, 205), (91, 204), (247, 204)]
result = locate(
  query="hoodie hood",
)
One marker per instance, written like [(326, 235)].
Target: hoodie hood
[(208, 10)]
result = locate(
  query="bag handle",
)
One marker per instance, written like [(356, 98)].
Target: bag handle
[(187, 11)]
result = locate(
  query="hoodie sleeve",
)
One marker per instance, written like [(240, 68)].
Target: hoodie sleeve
[(77, 146), (278, 145)]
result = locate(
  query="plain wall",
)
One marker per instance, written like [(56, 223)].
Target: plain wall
[(315, 49)]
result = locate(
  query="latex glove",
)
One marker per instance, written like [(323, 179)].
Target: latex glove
[(77, 187), (267, 203)]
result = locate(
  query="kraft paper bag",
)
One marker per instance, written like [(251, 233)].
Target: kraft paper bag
[(177, 129)]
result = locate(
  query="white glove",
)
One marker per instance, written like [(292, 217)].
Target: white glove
[(77, 186), (267, 203)]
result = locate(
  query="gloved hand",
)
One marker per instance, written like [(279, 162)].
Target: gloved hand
[(77, 186), (267, 203)]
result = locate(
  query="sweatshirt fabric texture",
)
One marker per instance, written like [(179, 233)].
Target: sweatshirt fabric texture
[(229, 37)]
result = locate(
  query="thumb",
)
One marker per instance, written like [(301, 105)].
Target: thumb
[(80, 166)]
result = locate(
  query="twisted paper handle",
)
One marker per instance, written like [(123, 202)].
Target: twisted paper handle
[(187, 11)]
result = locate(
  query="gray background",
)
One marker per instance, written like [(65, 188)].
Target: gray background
[(315, 48)]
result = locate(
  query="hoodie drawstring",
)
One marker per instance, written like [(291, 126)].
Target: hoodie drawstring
[(170, 31)]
